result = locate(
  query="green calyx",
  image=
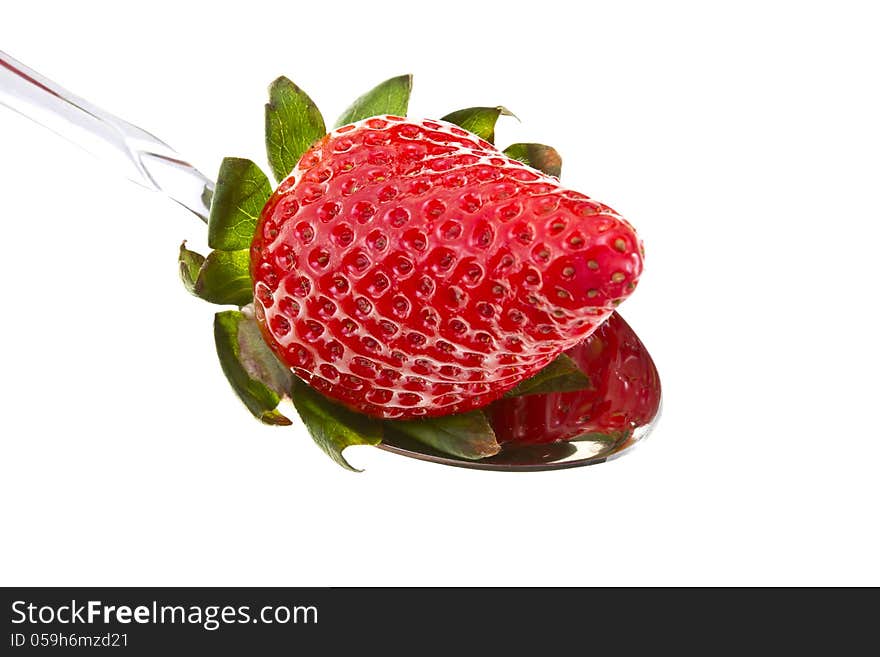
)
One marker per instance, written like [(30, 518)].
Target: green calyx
[(562, 375), (538, 156), (259, 379), (389, 97), (479, 120), (293, 123)]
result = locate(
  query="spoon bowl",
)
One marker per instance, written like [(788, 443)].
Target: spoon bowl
[(575, 453), (569, 429)]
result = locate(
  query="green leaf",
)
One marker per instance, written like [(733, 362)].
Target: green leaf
[(479, 120), (389, 97), (562, 375), (538, 156), (225, 278), (331, 426), (293, 123), (256, 375), (190, 263), (241, 192), (466, 435)]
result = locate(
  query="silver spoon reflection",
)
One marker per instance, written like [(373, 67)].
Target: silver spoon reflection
[(570, 429)]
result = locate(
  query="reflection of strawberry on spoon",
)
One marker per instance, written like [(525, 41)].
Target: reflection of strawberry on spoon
[(624, 393)]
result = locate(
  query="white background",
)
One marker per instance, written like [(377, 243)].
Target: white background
[(742, 142)]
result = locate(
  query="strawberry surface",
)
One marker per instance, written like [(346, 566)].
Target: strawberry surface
[(409, 268), (624, 393)]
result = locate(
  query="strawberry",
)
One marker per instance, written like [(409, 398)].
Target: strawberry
[(410, 269), (624, 393)]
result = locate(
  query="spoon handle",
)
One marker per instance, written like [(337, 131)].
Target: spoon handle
[(133, 152)]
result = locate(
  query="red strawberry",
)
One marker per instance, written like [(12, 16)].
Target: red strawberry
[(624, 393), (409, 268)]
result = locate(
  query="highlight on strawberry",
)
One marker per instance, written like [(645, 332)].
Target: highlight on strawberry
[(404, 274)]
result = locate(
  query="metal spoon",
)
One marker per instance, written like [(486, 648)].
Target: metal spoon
[(131, 151), (151, 163)]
